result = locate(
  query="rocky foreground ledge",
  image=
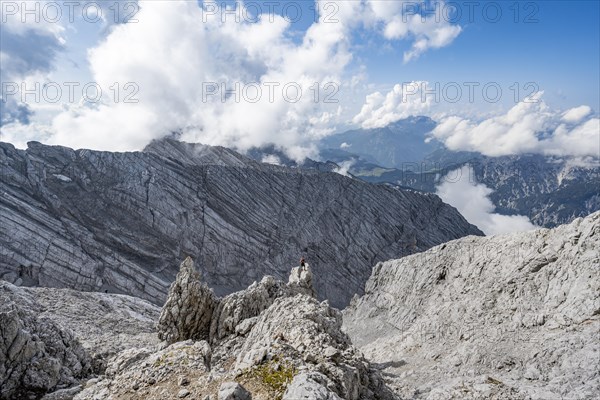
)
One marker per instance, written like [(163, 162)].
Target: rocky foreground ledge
[(505, 317), (53, 340), (273, 340)]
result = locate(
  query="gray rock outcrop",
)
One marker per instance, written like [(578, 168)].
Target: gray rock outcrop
[(272, 338), (96, 221), (78, 332), (302, 278), (193, 312), (309, 335), (513, 316), (104, 324), (309, 386), (36, 355), (232, 310), (189, 307)]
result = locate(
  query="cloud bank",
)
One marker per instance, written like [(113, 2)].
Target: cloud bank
[(459, 189), (19, 61), (265, 76), (530, 126)]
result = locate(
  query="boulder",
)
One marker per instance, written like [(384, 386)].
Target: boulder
[(233, 391), (36, 355)]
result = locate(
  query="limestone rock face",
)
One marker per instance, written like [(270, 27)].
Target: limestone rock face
[(510, 316), (301, 277), (193, 312), (308, 333), (272, 339), (36, 355), (189, 307), (240, 306), (311, 386), (152, 372), (104, 324), (122, 222)]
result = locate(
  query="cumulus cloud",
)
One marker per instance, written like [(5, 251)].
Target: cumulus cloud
[(401, 102), (528, 127), (459, 189), (178, 49), (575, 115), (401, 19)]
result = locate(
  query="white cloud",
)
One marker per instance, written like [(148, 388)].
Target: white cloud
[(401, 102), (400, 20), (528, 127), (271, 159), (429, 35), (344, 168), (175, 48), (29, 49), (459, 189), (575, 115)]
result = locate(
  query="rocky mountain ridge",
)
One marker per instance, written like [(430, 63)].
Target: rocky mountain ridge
[(550, 191), (504, 317), (119, 222)]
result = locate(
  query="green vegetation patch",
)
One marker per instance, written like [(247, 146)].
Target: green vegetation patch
[(274, 375)]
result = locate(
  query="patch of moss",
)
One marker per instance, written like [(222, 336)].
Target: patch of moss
[(274, 375)]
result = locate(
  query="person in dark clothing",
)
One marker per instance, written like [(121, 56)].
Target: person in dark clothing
[(302, 263)]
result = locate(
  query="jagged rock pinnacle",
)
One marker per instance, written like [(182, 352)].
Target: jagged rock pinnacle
[(269, 332), (302, 278), (189, 307), (193, 312)]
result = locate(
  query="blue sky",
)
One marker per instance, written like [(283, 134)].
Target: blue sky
[(560, 52), (553, 44)]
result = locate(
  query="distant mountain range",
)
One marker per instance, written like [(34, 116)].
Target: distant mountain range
[(549, 190), (393, 146)]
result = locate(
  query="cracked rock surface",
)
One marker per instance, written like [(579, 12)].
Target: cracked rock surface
[(36, 355), (43, 329), (121, 222), (512, 316)]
